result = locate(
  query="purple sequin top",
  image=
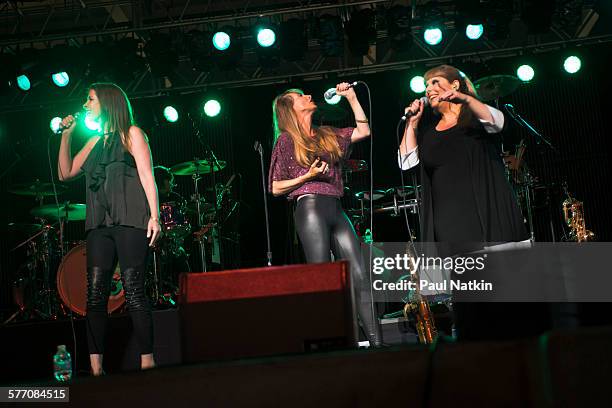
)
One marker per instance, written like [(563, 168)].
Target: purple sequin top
[(284, 167)]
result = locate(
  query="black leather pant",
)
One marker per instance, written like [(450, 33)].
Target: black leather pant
[(322, 226), (106, 246)]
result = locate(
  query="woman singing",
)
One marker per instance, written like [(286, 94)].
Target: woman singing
[(122, 214), (306, 167), (466, 198), (467, 203)]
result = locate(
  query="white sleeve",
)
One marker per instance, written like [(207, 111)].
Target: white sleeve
[(408, 160), (498, 121)]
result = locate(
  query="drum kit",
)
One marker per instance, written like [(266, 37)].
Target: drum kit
[(51, 279)]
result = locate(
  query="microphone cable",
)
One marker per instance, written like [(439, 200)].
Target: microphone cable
[(56, 198)]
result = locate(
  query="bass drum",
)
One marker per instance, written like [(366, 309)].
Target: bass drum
[(72, 282)]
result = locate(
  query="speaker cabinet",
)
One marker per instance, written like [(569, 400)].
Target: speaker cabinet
[(266, 311)]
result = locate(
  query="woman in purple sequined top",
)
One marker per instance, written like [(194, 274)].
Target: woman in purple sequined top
[(306, 166)]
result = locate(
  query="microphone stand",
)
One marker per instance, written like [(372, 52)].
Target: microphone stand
[(519, 119), (258, 147), (539, 138), (214, 163)]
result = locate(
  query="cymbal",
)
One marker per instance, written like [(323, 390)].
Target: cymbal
[(355, 166), (365, 195), (496, 86), (196, 167), (402, 191), (36, 188), (70, 212), (26, 228)]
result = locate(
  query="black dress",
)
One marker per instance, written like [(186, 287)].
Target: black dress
[(466, 198)]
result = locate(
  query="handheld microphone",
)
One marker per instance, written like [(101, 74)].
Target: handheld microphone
[(408, 114), (330, 93), (61, 127)]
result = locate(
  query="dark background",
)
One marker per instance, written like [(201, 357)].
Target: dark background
[(569, 110)]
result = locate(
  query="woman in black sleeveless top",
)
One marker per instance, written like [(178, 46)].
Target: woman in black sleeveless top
[(122, 214)]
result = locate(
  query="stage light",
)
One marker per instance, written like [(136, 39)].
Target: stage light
[(334, 99), (525, 73), (212, 108), (417, 84), (361, 31), (60, 79), (572, 64), (266, 37), (171, 114), (474, 31), (23, 82), (331, 36), (221, 40), (292, 41), (433, 36), (55, 124), (91, 124), (399, 27)]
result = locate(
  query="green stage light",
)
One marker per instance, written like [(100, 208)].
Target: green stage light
[(55, 124), (572, 64), (23, 82), (474, 31), (91, 124), (212, 108), (221, 40), (417, 84), (433, 36), (171, 114), (525, 73), (61, 79), (334, 99), (266, 37)]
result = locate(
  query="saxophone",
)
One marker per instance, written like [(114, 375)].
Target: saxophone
[(574, 218), (418, 307)]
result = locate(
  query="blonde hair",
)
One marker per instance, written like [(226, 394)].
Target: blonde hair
[(306, 148), (451, 74)]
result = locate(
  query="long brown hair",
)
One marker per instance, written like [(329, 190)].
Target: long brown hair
[(306, 147), (451, 74), (115, 110)]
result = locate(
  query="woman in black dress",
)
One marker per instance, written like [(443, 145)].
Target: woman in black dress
[(122, 219), (467, 201)]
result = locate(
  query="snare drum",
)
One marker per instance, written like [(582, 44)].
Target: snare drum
[(72, 282), (172, 219)]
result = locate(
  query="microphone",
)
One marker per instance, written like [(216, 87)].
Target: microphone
[(330, 93), (510, 109), (408, 114), (61, 127), (257, 147)]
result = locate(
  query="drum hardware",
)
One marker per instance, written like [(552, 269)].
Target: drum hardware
[(395, 207), (196, 168), (67, 211), (40, 251), (496, 86), (37, 189)]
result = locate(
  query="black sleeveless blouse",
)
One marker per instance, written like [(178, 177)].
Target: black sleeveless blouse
[(114, 194)]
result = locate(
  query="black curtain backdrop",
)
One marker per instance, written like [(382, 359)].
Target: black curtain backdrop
[(568, 110)]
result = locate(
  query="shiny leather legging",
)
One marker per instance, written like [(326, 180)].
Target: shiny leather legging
[(322, 226), (106, 246)]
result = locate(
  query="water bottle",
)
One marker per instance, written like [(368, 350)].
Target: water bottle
[(62, 364)]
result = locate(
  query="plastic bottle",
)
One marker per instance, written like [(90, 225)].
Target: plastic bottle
[(62, 364)]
